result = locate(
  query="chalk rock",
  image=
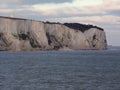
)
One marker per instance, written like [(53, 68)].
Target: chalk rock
[(22, 34)]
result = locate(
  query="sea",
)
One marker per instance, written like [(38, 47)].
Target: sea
[(60, 70)]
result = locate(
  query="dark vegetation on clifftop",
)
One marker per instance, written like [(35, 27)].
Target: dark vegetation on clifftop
[(77, 26), (81, 27)]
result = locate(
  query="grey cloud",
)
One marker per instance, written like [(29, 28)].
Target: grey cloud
[(34, 1), (20, 3), (30, 2), (114, 12)]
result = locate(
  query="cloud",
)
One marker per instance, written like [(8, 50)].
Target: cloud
[(68, 9), (9, 1), (43, 1), (5, 10), (111, 4), (79, 7), (32, 2), (65, 8), (105, 19)]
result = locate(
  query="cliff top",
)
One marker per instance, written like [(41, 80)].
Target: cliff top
[(13, 18), (81, 27), (77, 26)]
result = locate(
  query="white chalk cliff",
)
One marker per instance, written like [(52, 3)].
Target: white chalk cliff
[(22, 34)]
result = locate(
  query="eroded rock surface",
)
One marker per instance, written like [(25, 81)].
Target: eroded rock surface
[(22, 34)]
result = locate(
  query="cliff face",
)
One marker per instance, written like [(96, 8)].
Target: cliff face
[(22, 34)]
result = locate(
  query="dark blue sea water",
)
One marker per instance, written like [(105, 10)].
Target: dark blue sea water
[(60, 70)]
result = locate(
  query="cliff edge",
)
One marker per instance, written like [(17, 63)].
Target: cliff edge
[(22, 34)]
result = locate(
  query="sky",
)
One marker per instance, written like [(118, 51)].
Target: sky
[(103, 13)]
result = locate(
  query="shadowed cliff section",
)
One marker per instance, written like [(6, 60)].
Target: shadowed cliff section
[(17, 34)]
